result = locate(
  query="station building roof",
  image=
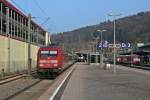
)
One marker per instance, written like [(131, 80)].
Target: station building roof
[(138, 52), (145, 47), (143, 50), (9, 5)]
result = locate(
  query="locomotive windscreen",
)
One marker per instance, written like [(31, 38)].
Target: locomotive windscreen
[(49, 53)]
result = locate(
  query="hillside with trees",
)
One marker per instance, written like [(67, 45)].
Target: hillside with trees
[(133, 29)]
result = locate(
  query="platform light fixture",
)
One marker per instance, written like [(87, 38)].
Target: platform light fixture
[(114, 44), (101, 31)]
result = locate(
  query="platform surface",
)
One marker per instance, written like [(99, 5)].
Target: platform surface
[(90, 82)]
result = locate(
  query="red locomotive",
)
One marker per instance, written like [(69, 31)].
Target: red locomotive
[(50, 60)]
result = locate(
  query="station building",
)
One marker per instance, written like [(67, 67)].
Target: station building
[(14, 38), (145, 47)]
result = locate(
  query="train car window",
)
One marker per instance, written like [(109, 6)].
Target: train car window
[(53, 52), (48, 53), (45, 52)]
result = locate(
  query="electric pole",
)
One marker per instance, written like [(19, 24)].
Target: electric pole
[(29, 45), (8, 37)]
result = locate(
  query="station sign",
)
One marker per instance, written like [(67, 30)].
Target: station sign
[(106, 44), (116, 45), (122, 45), (125, 45)]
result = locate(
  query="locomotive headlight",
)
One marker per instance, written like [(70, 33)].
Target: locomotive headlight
[(41, 65), (54, 61), (59, 68), (44, 61), (55, 65)]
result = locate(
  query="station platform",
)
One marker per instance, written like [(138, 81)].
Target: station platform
[(91, 82)]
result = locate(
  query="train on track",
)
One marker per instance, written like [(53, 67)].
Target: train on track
[(133, 59), (51, 60)]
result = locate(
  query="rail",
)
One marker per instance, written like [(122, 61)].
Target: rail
[(17, 92)]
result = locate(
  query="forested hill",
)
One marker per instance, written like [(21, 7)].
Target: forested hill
[(134, 29)]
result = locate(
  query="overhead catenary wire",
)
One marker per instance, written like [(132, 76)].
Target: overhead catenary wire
[(45, 20), (42, 10), (37, 4), (18, 6)]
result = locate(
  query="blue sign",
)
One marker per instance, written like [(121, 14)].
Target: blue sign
[(103, 45), (129, 45), (100, 45), (125, 45)]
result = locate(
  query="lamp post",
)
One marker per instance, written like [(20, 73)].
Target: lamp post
[(101, 36), (114, 44), (101, 31), (96, 54), (29, 44)]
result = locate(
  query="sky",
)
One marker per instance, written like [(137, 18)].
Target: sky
[(68, 15)]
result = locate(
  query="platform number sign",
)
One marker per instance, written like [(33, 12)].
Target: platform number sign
[(105, 44), (125, 45), (129, 45)]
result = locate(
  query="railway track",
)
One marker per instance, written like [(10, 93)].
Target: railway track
[(4, 81), (14, 77), (15, 86), (144, 67)]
